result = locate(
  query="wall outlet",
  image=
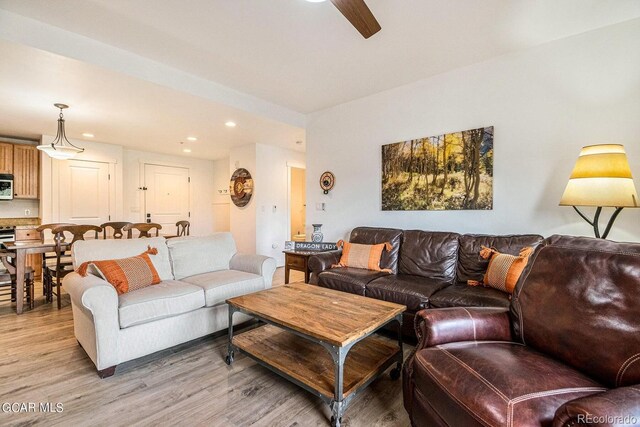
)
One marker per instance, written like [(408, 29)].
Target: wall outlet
[(223, 192), (27, 212)]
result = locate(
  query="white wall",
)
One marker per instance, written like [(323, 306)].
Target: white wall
[(242, 221), (263, 223), (272, 194), (221, 199), (128, 202), (545, 103)]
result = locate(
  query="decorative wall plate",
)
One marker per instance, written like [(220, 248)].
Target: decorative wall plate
[(241, 187), (327, 181)]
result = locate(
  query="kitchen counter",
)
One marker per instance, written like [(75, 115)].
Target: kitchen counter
[(6, 222)]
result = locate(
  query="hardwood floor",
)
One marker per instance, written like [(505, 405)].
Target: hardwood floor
[(40, 362)]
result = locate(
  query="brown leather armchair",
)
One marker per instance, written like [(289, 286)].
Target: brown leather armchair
[(567, 352)]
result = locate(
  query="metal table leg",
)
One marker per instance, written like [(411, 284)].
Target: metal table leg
[(229, 359), (395, 372)]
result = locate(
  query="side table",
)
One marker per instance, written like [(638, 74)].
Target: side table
[(299, 261)]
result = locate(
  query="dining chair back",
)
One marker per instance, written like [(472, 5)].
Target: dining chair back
[(49, 259), (62, 268), (8, 279), (117, 228), (144, 228), (183, 228)]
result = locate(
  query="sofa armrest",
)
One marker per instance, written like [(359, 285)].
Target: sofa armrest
[(257, 264), (445, 325), (615, 407), (322, 261), (99, 299)]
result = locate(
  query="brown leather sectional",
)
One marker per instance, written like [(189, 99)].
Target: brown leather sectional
[(429, 269), (566, 352)]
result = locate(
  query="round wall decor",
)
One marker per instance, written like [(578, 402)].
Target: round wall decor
[(327, 181), (241, 187)]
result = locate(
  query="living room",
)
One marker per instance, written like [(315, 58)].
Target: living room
[(437, 133)]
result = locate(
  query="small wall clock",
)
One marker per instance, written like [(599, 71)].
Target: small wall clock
[(241, 187), (327, 181)]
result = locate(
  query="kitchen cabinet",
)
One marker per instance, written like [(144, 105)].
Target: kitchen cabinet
[(6, 157), (26, 172)]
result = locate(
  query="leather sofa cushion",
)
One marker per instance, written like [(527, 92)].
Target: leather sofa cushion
[(472, 267), (166, 299), (429, 254), (583, 293), (412, 291), (463, 295), (374, 236), (221, 285), (352, 280), (497, 383)]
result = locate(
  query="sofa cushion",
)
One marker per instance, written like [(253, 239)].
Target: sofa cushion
[(471, 266), (589, 282), (374, 236), (103, 249), (463, 295), (500, 383), (197, 255), (220, 285), (352, 280), (412, 291), (429, 254), (166, 299)]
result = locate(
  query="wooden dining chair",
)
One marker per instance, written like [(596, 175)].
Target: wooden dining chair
[(8, 279), (49, 259), (144, 228), (117, 227), (61, 268), (183, 228)]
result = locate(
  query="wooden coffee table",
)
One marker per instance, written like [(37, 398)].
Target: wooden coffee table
[(320, 339)]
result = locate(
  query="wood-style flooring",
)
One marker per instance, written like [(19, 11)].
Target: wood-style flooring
[(41, 362)]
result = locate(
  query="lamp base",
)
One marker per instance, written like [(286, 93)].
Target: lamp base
[(596, 221)]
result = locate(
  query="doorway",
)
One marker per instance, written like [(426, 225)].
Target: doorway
[(297, 204), (166, 195)]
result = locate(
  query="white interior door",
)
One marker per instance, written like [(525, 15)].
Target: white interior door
[(166, 195), (84, 192)]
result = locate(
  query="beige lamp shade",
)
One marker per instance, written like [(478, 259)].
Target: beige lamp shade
[(601, 177)]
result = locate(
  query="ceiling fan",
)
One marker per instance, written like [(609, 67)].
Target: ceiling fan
[(358, 13)]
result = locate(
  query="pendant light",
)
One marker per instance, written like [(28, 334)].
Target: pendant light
[(60, 148)]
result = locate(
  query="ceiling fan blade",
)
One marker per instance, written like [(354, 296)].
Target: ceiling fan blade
[(360, 16)]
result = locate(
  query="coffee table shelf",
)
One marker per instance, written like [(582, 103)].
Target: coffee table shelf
[(311, 364)]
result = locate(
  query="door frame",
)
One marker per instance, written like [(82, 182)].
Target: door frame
[(296, 165), (142, 199)]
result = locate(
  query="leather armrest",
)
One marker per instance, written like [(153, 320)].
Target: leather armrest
[(323, 261), (445, 325), (615, 407)]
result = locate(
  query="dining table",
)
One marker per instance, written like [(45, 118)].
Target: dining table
[(21, 250)]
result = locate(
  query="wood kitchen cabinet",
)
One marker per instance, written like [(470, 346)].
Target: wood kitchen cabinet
[(25, 172), (6, 157)]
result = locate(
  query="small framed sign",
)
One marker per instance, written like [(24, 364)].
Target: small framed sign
[(313, 246)]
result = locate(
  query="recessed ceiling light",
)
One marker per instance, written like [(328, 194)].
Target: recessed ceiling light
[(192, 138), (187, 150), (88, 135), (230, 124)]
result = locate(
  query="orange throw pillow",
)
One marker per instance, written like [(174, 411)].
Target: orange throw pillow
[(126, 274), (356, 255), (504, 270)]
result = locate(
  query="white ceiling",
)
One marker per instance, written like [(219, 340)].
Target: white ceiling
[(120, 109), (148, 73)]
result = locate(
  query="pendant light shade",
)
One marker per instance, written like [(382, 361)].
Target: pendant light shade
[(60, 148)]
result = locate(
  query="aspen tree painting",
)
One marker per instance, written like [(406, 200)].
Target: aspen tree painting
[(445, 172)]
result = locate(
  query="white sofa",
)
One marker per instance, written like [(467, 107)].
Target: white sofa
[(198, 274)]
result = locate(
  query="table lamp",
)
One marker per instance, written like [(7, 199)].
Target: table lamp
[(601, 178)]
